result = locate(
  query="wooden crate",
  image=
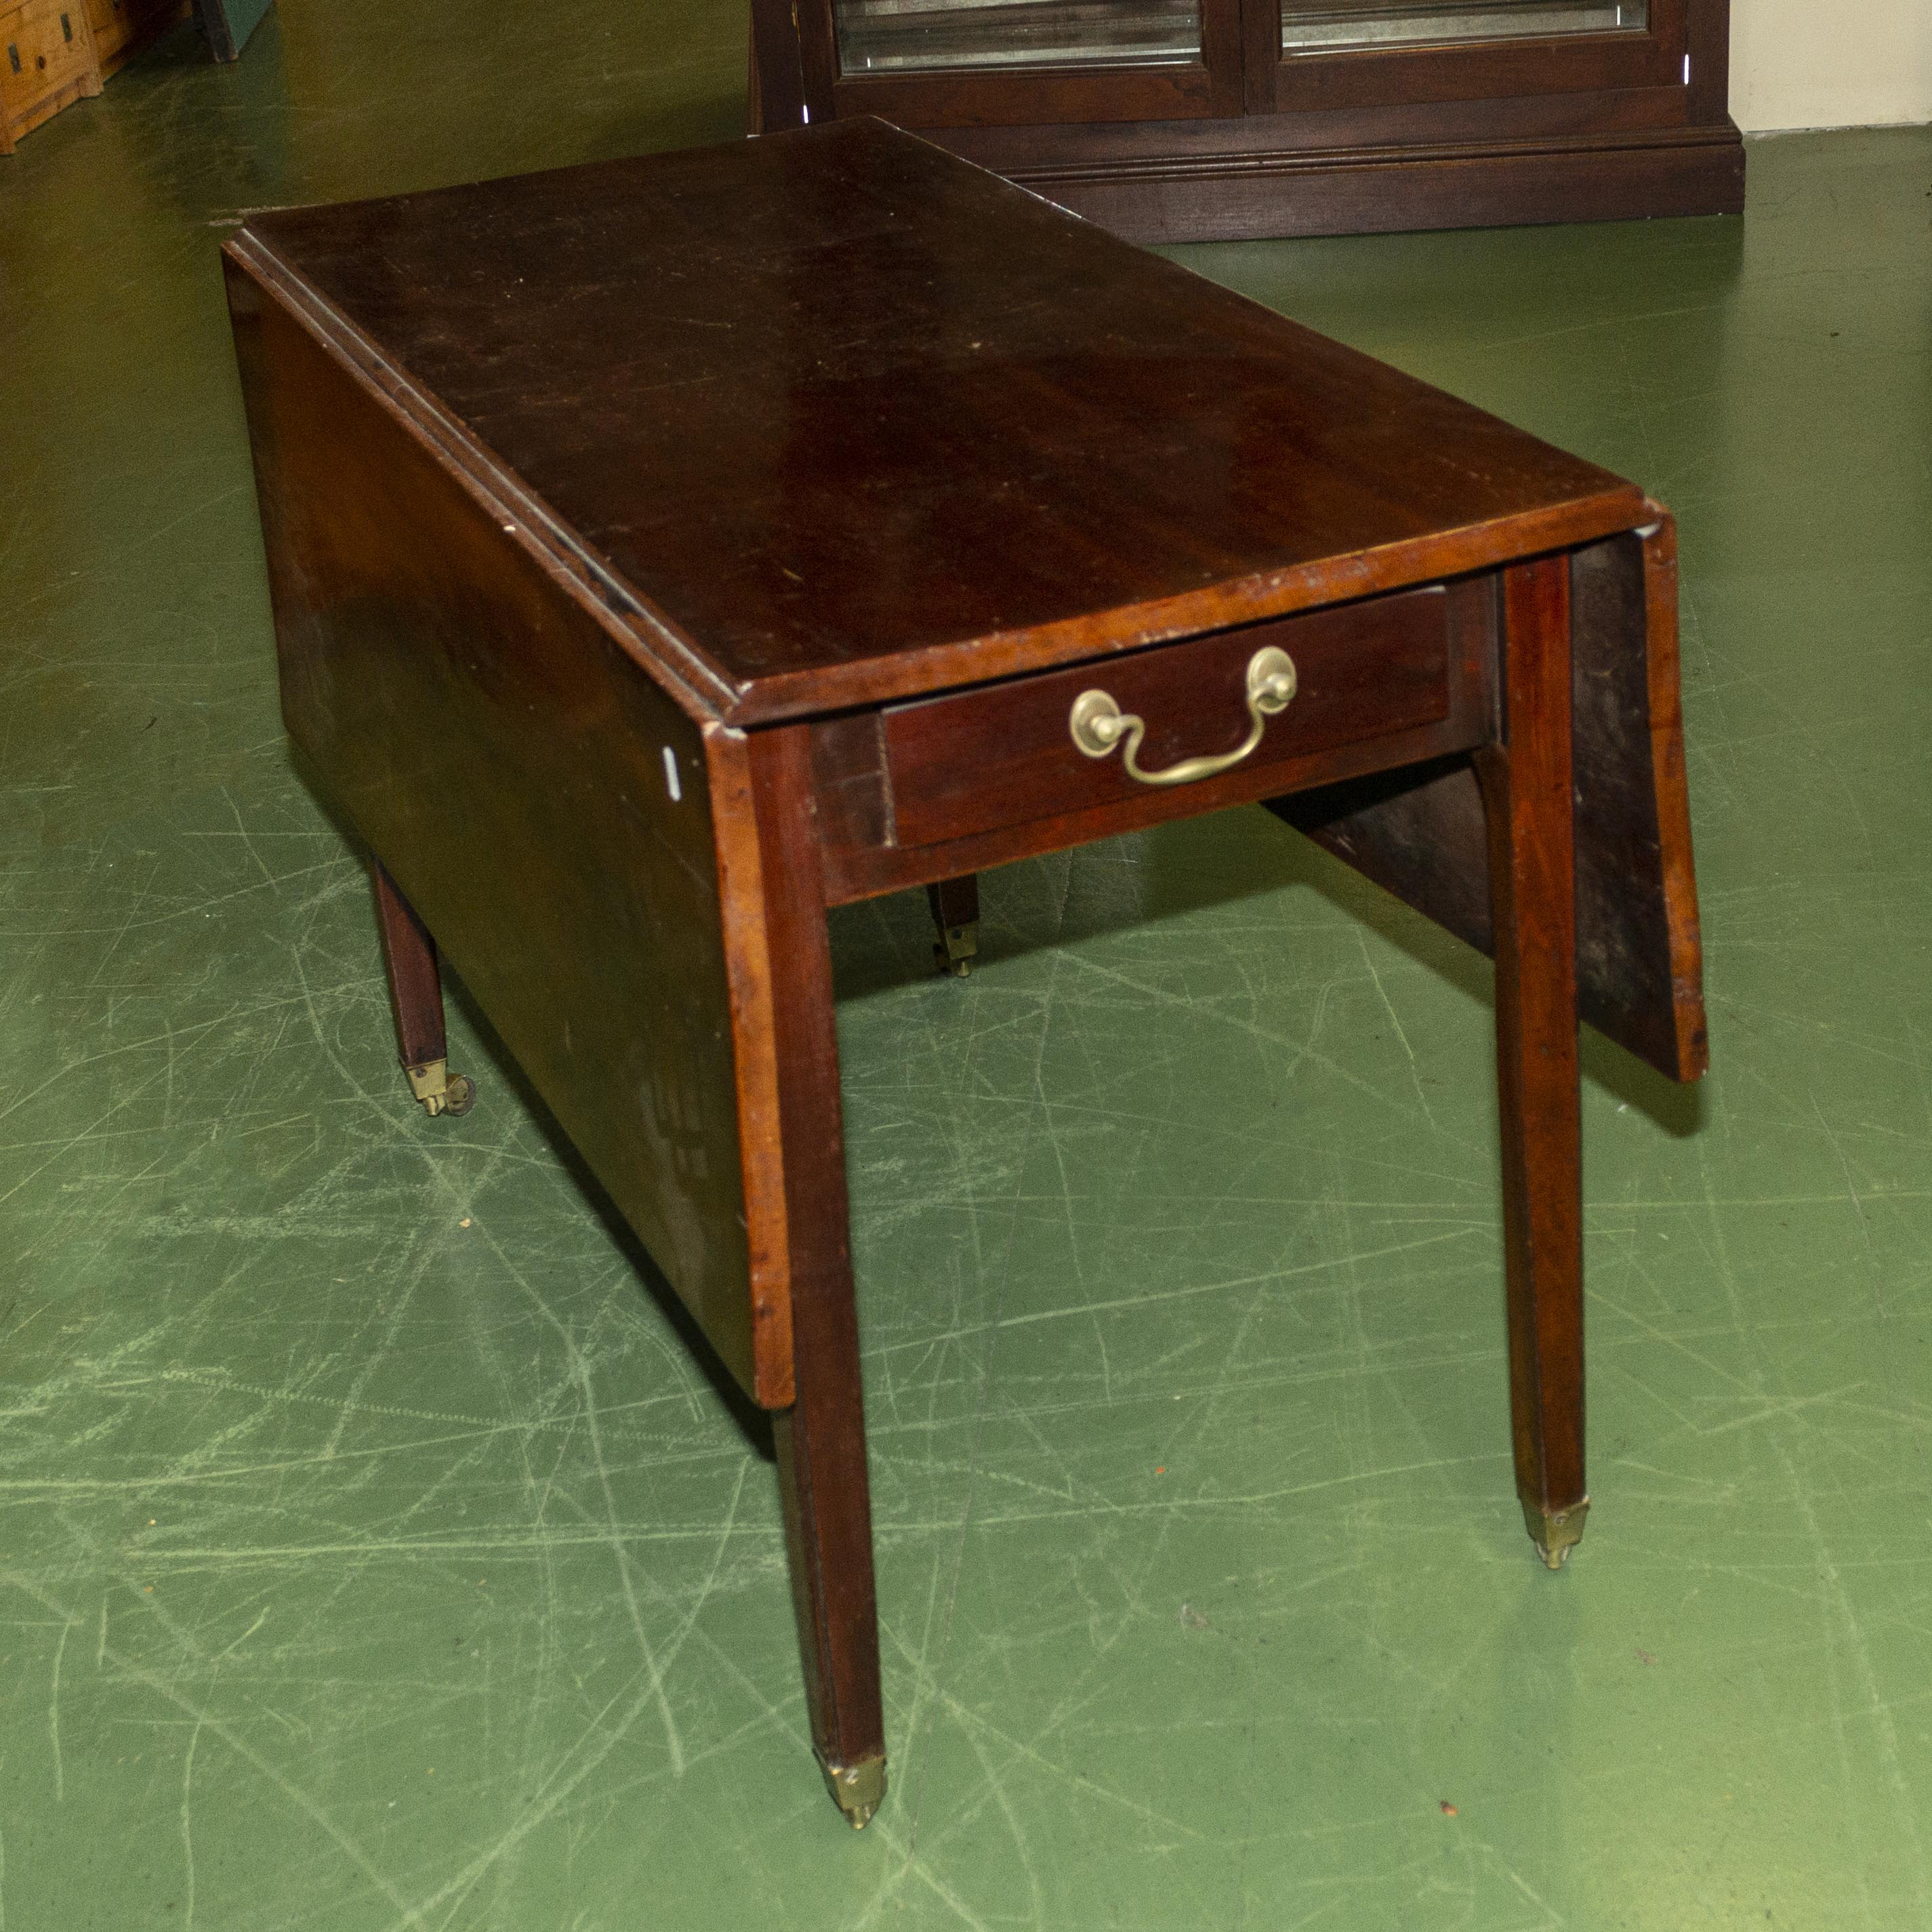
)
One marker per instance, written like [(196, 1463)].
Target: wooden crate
[(47, 62)]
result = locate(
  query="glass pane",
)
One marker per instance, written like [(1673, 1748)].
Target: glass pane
[(904, 36), (1368, 23)]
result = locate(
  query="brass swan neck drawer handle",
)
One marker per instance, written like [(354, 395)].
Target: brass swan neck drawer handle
[(1098, 724)]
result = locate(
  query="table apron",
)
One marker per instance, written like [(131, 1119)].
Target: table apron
[(1384, 683)]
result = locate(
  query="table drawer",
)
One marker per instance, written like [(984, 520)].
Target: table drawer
[(1005, 754)]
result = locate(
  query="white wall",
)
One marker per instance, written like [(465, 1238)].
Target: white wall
[(1830, 63)]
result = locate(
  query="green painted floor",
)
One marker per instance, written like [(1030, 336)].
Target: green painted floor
[(376, 1554)]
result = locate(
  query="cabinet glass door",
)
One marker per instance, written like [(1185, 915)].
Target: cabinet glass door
[(994, 63), (1308, 24), (950, 36), (1318, 54)]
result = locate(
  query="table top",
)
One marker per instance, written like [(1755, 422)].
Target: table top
[(832, 417)]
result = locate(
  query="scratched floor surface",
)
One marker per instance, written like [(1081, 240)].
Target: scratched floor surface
[(377, 1555)]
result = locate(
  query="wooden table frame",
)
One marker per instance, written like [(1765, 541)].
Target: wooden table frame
[(635, 886)]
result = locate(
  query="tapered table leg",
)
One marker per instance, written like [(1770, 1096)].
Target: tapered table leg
[(415, 1002), (1527, 792), (821, 1438), (821, 1455)]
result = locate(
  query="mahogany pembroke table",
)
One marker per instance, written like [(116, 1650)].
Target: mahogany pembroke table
[(664, 551)]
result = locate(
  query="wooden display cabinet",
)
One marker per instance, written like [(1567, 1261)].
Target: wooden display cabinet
[(1186, 120)]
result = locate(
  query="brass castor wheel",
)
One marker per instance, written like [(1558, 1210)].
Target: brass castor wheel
[(956, 911), (1555, 1532), (439, 1090), (956, 950), (857, 1788)]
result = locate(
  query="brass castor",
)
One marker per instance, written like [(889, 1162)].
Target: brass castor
[(956, 911), (1555, 1532), (857, 1788), (957, 948), (439, 1090)]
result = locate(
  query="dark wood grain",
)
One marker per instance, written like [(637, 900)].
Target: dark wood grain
[(833, 420), (821, 1438), (1259, 191), (662, 553), (1602, 154), (1671, 796), (1001, 755), (1526, 791), (775, 97), (1345, 140), (812, 24), (955, 902), (1421, 833), (1072, 93), (863, 855), (1708, 41), (848, 772), (409, 968), (972, 99), (1261, 57), (1636, 931), (955, 906), (500, 751), (862, 872), (1393, 129), (1494, 70)]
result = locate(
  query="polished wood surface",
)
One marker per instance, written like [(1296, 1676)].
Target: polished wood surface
[(863, 816), (830, 419), (1496, 69), (1672, 904), (965, 97), (800, 37), (415, 982), (1525, 778), (1232, 181), (1560, 127), (1420, 832), (821, 1438), (998, 99), (955, 906), (489, 737), (538, 463), (1364, 671)]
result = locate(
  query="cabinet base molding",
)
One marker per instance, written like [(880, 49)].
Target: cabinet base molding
[(1265, 136), (1265, 193)]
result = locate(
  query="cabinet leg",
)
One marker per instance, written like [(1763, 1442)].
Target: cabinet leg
[(1526, 785), (956, 911), (415, 1002)]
